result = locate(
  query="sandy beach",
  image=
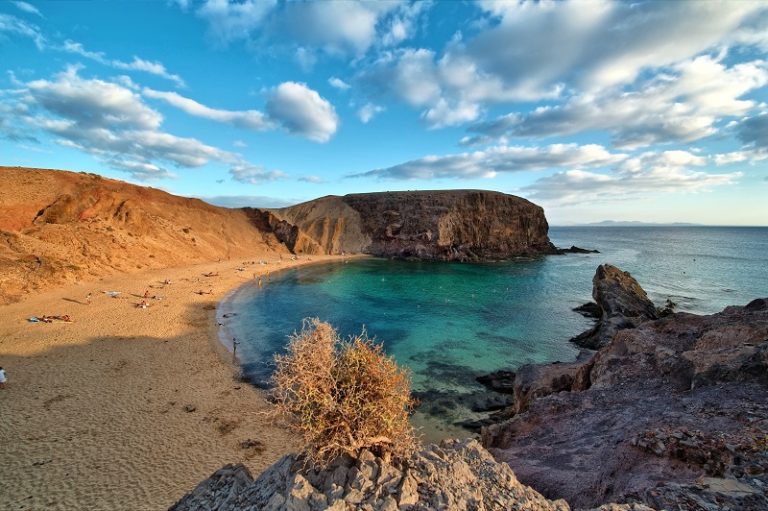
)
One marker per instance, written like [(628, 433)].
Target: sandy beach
[(128, 408)]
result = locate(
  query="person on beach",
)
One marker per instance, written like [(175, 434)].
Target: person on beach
[(88, 298), (146, 293), (3, 379)]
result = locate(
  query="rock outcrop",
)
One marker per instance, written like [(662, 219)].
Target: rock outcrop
[(447, 225), (672, 413), (456, 475), (622, 302)]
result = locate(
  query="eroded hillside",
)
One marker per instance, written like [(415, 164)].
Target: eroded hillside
[(58, 227)]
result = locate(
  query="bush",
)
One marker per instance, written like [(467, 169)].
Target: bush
[(343, 396)]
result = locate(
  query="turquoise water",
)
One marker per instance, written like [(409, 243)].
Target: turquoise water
[(449, 322)]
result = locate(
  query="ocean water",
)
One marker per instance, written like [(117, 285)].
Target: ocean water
[(450, 322)]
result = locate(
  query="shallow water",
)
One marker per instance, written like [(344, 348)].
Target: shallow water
[(449, 322)]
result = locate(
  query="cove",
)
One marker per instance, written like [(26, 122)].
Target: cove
[(447, 322)]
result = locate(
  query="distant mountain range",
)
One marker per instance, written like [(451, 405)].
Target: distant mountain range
[(614, 223)]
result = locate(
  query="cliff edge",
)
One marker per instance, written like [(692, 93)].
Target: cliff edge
[(444, 225)]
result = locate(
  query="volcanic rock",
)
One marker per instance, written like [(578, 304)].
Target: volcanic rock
[(672, 413), (447, 225), (575, 250), (624, 304), (589, 310), (499, 381)]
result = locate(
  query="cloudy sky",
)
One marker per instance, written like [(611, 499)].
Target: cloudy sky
[(654, 111)]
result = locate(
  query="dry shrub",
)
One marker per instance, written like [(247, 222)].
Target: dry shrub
[(343, 396)]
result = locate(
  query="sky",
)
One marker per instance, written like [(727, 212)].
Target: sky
[(651, 111)]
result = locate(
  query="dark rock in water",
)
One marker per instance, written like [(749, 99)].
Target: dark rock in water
[(491, 402), (456, 475), (667, 310), (575, 250), (499, 381), (589, 310), (672, 413), (624, 304)]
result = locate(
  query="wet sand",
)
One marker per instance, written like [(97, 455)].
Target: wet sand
[(127, 408)]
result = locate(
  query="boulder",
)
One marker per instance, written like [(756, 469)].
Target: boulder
[(623, 304)]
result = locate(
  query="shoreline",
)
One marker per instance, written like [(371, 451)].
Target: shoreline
[(128, 408)]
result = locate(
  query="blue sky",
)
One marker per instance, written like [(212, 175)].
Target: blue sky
[(654, 111)]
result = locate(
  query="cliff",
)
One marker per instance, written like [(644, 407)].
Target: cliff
[(446, 225), (58, 227)]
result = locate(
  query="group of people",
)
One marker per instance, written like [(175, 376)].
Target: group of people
[(50, 319)]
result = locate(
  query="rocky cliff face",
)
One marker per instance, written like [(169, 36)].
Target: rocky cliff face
[(670, 412), (462, 225)]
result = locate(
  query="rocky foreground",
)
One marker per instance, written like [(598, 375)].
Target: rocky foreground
[(671, 412), (456, 475), (446, 225)]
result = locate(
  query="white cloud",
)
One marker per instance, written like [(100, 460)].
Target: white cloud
[(249, 119), (137, 64), (754, 131), (368, 112), (302, 111), (230, 21), (645, 175), (292, 106), (141, 170), (338, 83), (341, 27), (93, 103), (402, 24), (306, 58), (312, 179), (13, 25), (253, 174), (602, 44), (487, 163), (239, 144), (751, 157), (112, 122), (443, 113), (28, 8), (681, 104), (530, 51)]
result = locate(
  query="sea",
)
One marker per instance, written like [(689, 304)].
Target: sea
[(451, 322)]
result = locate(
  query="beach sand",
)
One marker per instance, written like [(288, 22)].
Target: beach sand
[(93, 415)]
